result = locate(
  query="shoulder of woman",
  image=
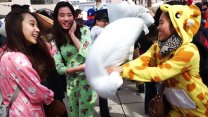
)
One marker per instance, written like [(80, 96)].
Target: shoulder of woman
[(188, 45), (85, 28), (14, 57)]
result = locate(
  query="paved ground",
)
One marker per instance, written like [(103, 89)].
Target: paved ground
[(132, 104)]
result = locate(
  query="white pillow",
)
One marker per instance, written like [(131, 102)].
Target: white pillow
[(111, 48)]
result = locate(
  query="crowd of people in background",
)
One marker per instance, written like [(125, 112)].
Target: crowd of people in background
[(46, 63)]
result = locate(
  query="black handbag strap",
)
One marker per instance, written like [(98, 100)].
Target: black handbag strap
[(161, 88)]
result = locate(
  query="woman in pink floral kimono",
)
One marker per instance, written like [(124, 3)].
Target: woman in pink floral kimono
[(24, 63)]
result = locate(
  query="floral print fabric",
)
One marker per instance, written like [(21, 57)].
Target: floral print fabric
[(16, 70)]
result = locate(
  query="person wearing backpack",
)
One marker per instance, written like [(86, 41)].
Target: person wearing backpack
[(25, 62)]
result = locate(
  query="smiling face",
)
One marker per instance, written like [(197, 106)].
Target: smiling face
[(30, 28), (165, 28), (65, 18)]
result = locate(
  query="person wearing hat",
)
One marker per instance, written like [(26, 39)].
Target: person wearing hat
[(174, 61), (90, 18), (23, 53)]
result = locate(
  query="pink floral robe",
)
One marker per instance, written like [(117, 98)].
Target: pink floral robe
[(16, 69)]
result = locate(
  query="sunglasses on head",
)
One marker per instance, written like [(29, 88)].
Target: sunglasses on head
[(17, 6)]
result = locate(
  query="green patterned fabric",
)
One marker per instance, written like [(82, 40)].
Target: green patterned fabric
[(81, 97)]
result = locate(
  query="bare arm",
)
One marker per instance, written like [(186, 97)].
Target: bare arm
[(79, 68), (74, 39)]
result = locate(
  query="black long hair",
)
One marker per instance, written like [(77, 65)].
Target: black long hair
[(38, 54), (58, 32)]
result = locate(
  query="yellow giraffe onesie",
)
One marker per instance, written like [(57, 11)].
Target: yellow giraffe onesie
[(180, 68)]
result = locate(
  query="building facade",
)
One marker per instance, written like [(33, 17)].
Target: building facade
[(41, 1)]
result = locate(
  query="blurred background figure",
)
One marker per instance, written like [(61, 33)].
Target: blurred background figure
[(90, 18), (46, 12), (101, 20), (78, 13)]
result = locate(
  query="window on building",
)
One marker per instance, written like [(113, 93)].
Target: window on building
[(41, 1), (5, 0)]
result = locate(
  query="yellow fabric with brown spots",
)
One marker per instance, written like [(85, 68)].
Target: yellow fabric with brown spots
[(185, 19), (179, 70)]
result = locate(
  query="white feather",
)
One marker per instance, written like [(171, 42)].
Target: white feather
[(190, 22)]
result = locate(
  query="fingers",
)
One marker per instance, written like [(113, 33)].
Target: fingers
[(109, 70), (73, 28)]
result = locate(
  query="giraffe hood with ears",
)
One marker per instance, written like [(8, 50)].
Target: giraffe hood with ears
[(179, 69), (185, 19)]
